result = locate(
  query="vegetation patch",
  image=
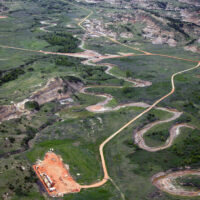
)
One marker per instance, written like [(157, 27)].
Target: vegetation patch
[(66, 41), (190, 182), (32, 105), (10, 75)]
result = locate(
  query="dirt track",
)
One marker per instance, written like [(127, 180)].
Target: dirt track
[(101, 148), (47, 25), (101, 106), (174, 131)]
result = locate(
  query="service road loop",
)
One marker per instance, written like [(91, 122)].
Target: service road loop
[(166, 181)]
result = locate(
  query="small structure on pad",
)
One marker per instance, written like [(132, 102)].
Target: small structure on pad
[(55, 176)]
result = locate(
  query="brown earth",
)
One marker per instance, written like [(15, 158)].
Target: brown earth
[(165, 182), (3, 17), (49, 93), (58, 172)]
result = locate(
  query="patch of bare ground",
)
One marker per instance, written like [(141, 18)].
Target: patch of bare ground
[(3, 17), (13, 111), (55, 176), (192, 48), (155, 34), (198, 75), (55, 89), (165, 182)]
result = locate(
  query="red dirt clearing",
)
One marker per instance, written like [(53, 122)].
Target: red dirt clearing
[(55, 177), (3, 17)]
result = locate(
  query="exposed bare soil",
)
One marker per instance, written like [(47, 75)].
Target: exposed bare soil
[(58, 172), (49, 93), (3, 17), (165, 182)]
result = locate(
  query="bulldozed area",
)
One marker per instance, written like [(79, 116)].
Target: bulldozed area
[(55, 177), (165, 182), (55, 89)]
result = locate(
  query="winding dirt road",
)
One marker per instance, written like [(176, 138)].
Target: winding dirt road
[(101, 106), (174, 131), (101, 148), (139, 139)]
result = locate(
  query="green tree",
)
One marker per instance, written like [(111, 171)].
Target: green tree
[(32, 105), (129, 73)]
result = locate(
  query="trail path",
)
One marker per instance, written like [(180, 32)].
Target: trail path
[(174, 131), (139, 139), (101, 148), (47, 25)]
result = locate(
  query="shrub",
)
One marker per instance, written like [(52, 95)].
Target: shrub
[(63, 39), (11, 139), (32, 105)]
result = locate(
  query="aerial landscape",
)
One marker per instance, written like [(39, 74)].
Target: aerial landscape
[(100, 99)]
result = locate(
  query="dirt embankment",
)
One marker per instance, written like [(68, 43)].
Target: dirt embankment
[(55, 89), (3, 17), (8, 112), (167, 182)]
